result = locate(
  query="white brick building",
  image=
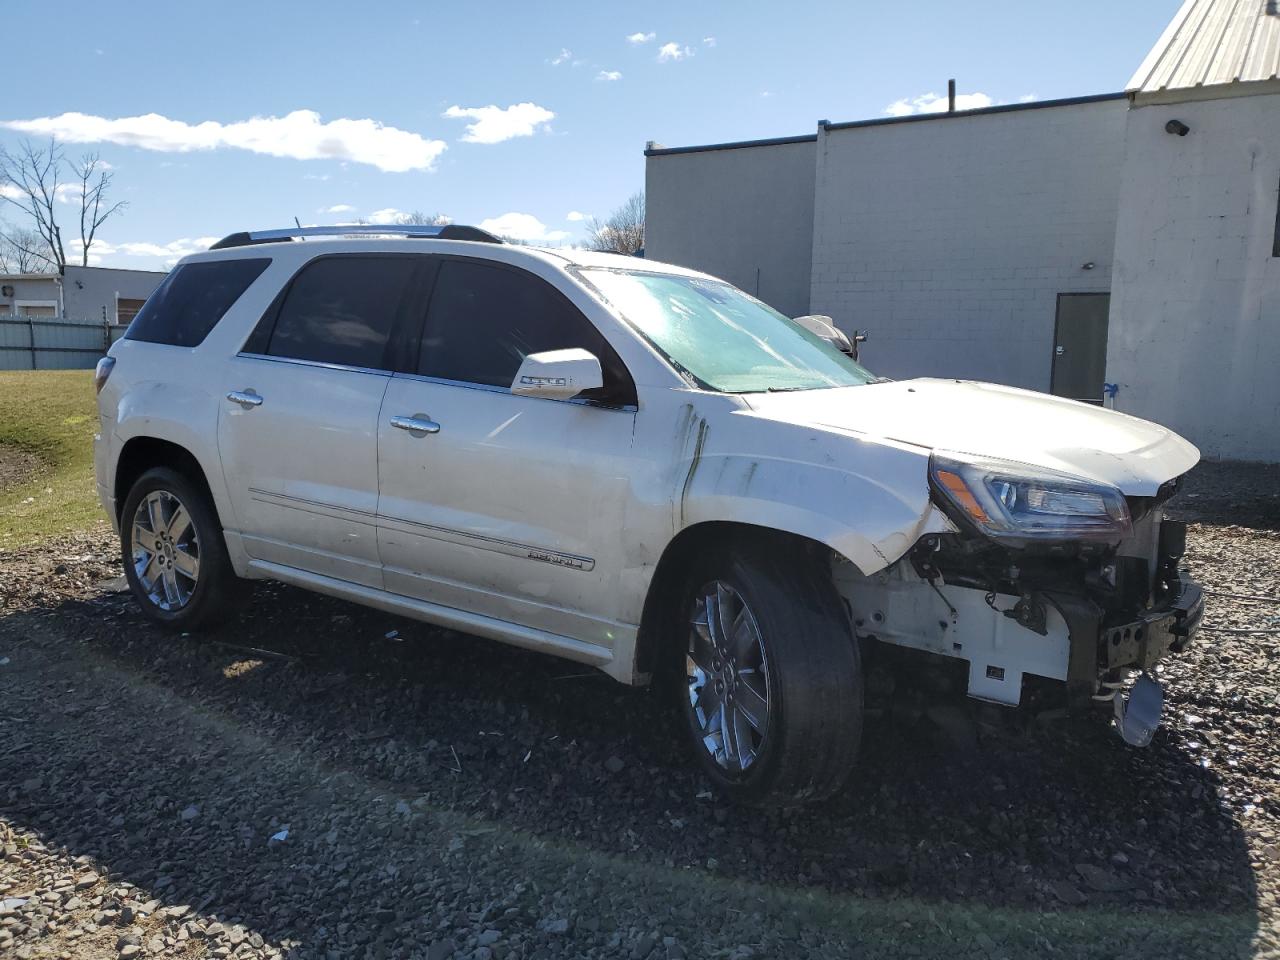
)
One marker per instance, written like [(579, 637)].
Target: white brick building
[(1054, 245)]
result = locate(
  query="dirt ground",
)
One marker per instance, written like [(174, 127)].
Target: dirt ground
[(16, 466), (321, 780)]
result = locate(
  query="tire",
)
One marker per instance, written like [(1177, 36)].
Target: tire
[(802, 665), (179, 573)]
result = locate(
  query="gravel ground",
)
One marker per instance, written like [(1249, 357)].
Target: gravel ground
[(362, 786)]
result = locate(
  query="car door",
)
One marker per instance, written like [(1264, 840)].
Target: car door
[(298, 432), (511, 506)]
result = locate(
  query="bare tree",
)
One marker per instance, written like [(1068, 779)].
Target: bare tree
[(623, 232), (95, 207), (417, 217), (23, 250), (414, 218), (31, 179)]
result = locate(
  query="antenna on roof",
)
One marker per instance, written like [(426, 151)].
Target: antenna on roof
[(298, 223)]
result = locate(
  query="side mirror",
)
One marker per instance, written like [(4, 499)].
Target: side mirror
[(823, 326), (558, 374)]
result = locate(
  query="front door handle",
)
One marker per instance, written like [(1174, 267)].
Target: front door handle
[(418, 423), (246, 398)]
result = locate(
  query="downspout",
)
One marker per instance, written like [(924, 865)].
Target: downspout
[(62, 311)]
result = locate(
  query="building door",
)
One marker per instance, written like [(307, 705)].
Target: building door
[(1080, 346)]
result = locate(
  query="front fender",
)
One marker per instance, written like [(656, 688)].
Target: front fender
[(871, 514)]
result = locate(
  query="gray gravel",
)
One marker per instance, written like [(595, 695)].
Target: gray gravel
[(373, 787)]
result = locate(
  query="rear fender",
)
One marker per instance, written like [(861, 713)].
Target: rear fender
[(189, 420)]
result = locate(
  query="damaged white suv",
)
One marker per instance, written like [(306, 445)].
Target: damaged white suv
[(638, 467)]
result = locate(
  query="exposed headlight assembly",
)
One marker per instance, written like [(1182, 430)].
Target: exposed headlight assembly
[(1018, 504)]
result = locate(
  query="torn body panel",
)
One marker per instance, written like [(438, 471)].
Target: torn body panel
[(1063, 616)]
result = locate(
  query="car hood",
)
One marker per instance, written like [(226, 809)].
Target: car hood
[(988, 420)]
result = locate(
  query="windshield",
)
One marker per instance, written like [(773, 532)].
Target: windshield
[(725, 339)]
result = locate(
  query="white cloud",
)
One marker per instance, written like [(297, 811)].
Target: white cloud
[(561, 57), (495, 124), (522, 226), (1027, 98), (609, 75), (575, 216), (386, 215), (301, 135), (709, 41), (638, 38), (170, 252), (63, 193), (338, 208), (673, 51), (933, 103)]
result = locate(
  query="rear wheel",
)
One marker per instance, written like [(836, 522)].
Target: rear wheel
[(767, 673), (175, 558)]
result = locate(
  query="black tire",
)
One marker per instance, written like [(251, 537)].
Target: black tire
[(216, 591), (815, 688)]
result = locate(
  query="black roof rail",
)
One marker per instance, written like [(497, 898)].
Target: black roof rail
[(447, 231)]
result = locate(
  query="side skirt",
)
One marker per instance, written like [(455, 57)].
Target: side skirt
[(493, 629)]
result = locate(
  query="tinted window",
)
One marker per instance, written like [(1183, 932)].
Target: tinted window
[(343, 310), (191, 300), (486, 319)]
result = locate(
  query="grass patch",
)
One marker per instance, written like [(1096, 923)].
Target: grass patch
[(49, 414)]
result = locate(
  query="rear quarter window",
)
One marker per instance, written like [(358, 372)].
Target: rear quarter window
[(191, 301)]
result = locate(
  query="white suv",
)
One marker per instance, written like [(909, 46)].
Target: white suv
[(638, 467)]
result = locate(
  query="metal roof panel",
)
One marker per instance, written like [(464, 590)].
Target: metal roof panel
[(1213, 42)]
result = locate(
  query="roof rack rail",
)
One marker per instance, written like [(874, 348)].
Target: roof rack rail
[(448, 231)]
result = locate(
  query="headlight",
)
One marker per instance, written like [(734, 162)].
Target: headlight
[(1012, 502)]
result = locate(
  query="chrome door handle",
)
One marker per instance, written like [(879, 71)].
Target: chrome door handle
[(246, 398), (418, 423)]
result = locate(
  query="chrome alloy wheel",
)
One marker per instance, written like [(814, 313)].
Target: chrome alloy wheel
[(727, 668), (166, 550)]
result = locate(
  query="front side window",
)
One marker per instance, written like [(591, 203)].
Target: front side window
[(723, 338), (191, 300), (486, 318), (341, 310)]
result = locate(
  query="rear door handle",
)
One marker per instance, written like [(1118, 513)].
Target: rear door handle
[(246, 398), (418, 423)]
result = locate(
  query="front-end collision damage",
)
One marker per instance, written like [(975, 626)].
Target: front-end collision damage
[(1090, 613)]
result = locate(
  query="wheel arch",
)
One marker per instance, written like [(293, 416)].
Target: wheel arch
[(141, 453), (674, 564)]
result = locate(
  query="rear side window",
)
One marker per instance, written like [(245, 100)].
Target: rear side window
[(342, 310), (485, 319), (191, 301)]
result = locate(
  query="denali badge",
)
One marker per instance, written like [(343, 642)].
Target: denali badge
[(562, 559)]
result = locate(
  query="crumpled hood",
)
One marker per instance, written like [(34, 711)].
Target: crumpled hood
[(985, 419)]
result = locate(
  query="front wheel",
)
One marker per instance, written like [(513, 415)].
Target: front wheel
[(767, 673), (175, 558)]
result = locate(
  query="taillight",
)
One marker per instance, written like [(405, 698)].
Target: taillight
[(101, 372)]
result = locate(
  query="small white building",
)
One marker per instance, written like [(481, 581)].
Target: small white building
[(1127, 239), (97, 294)]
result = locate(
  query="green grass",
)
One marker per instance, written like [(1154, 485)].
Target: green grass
[(51, 414)]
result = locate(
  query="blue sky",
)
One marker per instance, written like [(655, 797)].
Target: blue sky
[(397, 92)]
